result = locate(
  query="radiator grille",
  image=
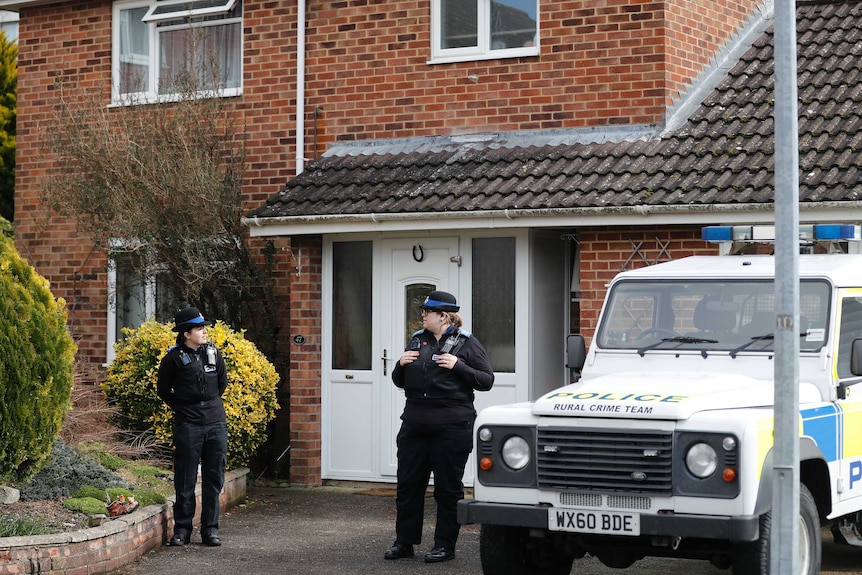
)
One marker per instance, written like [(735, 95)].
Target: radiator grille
[(605, 460), (581, 499)]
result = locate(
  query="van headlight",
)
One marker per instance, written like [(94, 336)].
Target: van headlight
[(504, 455), (701, 460), (516, 452), (706, 464)]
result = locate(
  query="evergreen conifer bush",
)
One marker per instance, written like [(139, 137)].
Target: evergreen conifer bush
[(36, 366), (250, 398), (65, 472)]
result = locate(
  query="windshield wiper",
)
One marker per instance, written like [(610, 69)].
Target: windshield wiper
[(677, 339), (734, 352)]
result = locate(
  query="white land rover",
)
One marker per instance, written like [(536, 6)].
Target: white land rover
[(663, 446)]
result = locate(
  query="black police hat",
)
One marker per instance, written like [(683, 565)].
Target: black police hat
[(189, 318), (440, 301)]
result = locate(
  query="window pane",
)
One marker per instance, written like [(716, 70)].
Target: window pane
[(458, 24), (513, 24), (168, 299), (414, 297), (205, 58), (351, 305), (851, 328), (131, 296), (134, 51), (494, 299)]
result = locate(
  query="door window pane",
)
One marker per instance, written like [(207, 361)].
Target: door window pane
[(494, 300), (851, 328), (414, 297), (351, 305)]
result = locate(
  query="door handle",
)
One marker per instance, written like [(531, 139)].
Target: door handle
[(384, 362)]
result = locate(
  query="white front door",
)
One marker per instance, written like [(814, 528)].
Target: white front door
[(410, 268)]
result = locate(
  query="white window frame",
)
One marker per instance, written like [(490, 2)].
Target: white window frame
[(151, 95), (482, 51), (149, 305), (175, 9)]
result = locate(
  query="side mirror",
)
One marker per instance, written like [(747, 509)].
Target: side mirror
[(576, 353)]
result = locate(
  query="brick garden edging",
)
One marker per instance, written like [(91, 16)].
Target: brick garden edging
[(109, 546)]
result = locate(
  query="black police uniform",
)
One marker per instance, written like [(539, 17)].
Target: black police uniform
[(191, 382), (436, 431)]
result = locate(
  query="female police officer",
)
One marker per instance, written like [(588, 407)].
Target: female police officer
[(439, 371), (192, 378)]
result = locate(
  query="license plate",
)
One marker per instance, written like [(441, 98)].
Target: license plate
[(584, 521)]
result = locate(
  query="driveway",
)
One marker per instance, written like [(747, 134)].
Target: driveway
[(332, 531)]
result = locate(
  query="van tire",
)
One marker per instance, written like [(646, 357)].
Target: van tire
[(753, 558)]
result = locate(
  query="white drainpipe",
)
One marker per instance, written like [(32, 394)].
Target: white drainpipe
[(300, 86)]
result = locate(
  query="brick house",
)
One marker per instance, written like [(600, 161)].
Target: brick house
[(517, 153)]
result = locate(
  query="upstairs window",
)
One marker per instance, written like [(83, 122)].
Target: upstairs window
[(464, 30), (166, 47)]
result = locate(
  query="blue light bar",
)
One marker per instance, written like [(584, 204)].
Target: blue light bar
[(766, 234), (837, 232), (717, 234)]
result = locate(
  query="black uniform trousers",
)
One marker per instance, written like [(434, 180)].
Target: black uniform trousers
[(204, 443), (441, 448)]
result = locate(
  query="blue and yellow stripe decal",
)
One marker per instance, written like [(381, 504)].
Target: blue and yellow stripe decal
[(822, 424), (835, 428), (851, 412)]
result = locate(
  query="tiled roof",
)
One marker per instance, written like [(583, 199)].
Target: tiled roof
[(723, 154)]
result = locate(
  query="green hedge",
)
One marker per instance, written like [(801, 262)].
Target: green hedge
[(36, 367)]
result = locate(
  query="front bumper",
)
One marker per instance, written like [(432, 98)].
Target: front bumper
[(741, 528)]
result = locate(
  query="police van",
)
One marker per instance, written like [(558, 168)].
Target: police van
[(663, 445)]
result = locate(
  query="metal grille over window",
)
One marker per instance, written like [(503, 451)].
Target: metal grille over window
[(605, 460)]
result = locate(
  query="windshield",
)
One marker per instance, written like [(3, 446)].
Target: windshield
[(732, 315)]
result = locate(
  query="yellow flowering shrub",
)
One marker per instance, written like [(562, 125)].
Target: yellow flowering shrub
[(249, 400)]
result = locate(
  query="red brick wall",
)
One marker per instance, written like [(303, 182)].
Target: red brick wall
[(607, 251), (78, 38), (606, 62), (694, 31), (305, 360)]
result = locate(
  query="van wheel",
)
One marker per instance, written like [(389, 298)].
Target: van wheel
[(511, 551), (753, 558)]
